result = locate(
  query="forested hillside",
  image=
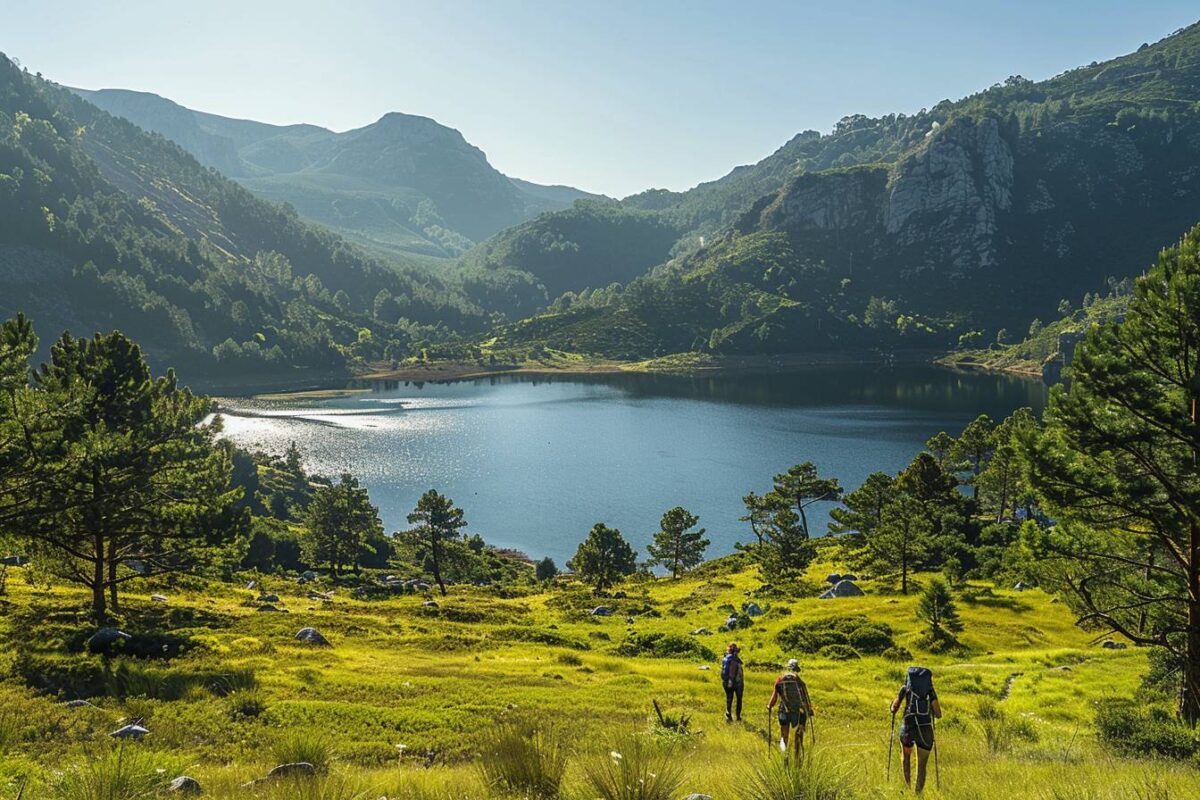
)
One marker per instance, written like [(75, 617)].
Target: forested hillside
[(103, 225), (909, 231), (403, 184)]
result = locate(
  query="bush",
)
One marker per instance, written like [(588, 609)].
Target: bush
[(897, 653), (1131, 728), (305, 746), (812, 778), (123, 773), (246, 704), (872, 639), (537, 636), (524, 761), (664, 645), (857, 631), (839, 652), (634, 770)]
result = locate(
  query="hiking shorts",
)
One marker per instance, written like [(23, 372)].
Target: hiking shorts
[(919, 734), (793, 718)]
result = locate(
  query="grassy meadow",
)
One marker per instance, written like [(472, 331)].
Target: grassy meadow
[(408, 696)]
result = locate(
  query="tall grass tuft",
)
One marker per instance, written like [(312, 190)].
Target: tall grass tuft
[(305, 746), (996, 730), (524, 760), (635, 770), (814, 777), (323, 787), (126, 772)]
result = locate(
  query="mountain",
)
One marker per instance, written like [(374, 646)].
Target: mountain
[(909, 231), (402, 184), (103, 225)]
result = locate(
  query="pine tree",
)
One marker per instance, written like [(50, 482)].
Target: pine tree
[(936, 609), (903, 537), (546, 569), (604, 557), (437, 521), (340, 523), (676, 546)]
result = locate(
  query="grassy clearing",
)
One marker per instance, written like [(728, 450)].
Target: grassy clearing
[(409, 698)]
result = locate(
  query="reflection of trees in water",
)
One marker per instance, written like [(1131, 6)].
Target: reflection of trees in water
[(921, 388)]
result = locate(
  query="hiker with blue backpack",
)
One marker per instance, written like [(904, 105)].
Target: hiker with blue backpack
[(795, 708), (921, 708), (733, 678)]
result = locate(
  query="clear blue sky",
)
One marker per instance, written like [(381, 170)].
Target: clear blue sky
[(611, 96)]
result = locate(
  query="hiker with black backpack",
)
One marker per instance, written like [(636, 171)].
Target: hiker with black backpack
[(921, 708), (733, 678), (795, 709)]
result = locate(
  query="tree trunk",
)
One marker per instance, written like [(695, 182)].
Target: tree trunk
[(98, 605), (112, 576), (437, 568), (1189, 702)]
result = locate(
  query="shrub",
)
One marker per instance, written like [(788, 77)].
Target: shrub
[(302, 745), (872, 639), (813, 636), (839, 652), (634, 770), (812, 778), (664, 645), (517, 633), (1133, 729), (524, 760), (897, 653), (246, 704), (996, 731), (123, 773)]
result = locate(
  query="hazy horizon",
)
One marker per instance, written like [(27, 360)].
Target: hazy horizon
[(614, 99)]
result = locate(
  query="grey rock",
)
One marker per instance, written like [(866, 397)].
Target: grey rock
[(251, 584), (269, 609), (849, 577), (158, 598), (78, 704), (312, 636), (14, 561), (430, 604), (753, 609), (268, 598), (701, 632), (602, 611), (309, 575), (1109, 644), (843, 588), (134, 730), (299, 768), (107, 640), (698, 797), (185, 785), (832, 578)]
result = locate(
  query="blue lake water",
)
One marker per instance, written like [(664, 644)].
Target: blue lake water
[(535, 463)]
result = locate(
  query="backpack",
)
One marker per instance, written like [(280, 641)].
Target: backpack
[(919, 684), (792, 693)]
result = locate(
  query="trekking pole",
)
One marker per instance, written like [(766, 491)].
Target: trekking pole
[(770, 744), (937, 774), (891, 740)]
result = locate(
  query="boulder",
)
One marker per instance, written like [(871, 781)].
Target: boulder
[(753, 609), (13, 561), (269, 609), (421, 586), (832, 578), (698, 797), (1109, 644), (849, 577), (602, 611), (312, 636), (430, 604), (1020, 586), (268, 598), (106, 641), (251, 584), (158, 598), (134, 730), (308, 575), (185, 785), (78, 704), (299, 768), (842, 588), (701, 632)]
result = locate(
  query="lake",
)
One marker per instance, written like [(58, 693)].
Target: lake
[(535, 463)]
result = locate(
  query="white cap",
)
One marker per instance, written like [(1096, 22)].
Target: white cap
[(793, 664)]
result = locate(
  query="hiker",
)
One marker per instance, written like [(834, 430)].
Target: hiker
[(795, 708), (733, 678), (921, 708)]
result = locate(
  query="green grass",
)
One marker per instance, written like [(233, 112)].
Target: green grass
[(406, 704)]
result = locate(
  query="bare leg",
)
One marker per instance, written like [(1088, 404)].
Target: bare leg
[(784, 730), (799, 742), (908, 766), (922, 763)]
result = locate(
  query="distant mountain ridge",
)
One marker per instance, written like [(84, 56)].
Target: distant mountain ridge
[(899, 231), (402, 184)]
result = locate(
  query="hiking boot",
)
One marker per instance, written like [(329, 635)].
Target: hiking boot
[(728, 717)]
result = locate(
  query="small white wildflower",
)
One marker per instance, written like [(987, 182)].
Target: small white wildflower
[(616, 756)]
